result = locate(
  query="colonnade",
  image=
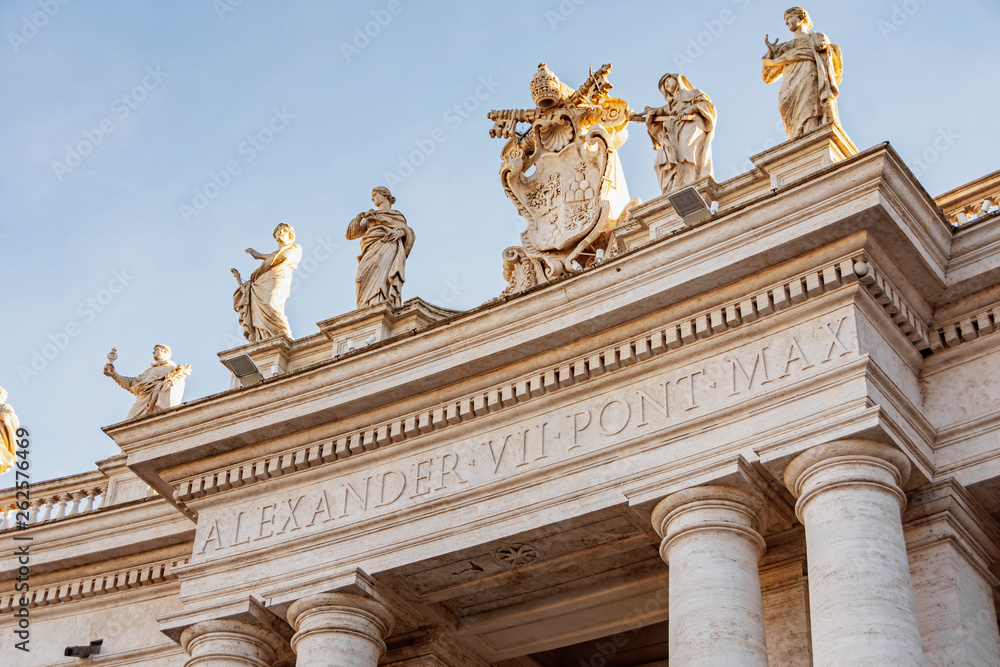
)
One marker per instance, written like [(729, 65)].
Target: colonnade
[(861, 598)]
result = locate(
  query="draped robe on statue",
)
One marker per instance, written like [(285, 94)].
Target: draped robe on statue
[(685, 139), (153, 389), (385, 244), (811, 69), (260, 301), (8, 437)]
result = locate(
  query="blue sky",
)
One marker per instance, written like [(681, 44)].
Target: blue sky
[(145, 145)]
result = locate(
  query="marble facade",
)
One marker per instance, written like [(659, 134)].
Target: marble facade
[(764, 439)]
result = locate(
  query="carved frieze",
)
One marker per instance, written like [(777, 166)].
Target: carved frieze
[(600, 420)]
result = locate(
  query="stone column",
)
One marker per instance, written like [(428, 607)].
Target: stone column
[(860, 598), (712, 549), (230, 643), (339, 630)]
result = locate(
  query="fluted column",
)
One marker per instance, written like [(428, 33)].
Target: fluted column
[(339, 630), (712, 548), (230, 643), (861, 601)]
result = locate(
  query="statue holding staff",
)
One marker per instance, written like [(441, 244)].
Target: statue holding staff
[(681, 131)]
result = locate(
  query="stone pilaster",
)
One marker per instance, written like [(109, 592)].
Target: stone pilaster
[(951, 545), (785, 591), (230, 643), (861, 602), (339, 630), (712, 548)]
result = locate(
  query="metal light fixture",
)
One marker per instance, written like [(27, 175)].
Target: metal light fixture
[(244, 369), (84, 651), (691, 206)]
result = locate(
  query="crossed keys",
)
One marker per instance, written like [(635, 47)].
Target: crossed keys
[(591, 92)]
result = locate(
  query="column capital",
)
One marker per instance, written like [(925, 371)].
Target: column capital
[(706, 508), (231, 642), (319, 618), (847, 462)]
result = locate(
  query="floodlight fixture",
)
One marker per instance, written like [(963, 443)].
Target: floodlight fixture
[(84, 651), (371, 340), (244, 369), (691, 206)]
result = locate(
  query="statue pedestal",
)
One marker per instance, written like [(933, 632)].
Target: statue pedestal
[(382, 321), (795, 159)]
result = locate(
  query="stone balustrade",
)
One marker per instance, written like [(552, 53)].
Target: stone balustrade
[(973, 201), (975, 210), (53, 500)]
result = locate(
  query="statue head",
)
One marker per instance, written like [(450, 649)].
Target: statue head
[(287, 227), (671, 83), (384, 191), (546, 90), (800, 15), (161, 353)]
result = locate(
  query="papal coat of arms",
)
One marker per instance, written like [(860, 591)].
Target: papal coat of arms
[(563, 174)]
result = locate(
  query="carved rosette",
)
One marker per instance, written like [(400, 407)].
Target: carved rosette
[(563, 175)]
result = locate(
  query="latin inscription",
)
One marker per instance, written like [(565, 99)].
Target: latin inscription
[(602, 421)]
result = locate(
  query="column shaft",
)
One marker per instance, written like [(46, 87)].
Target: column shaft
[(712, 549), (861, 601)]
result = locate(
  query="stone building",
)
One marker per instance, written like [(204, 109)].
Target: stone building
[(767, 437)]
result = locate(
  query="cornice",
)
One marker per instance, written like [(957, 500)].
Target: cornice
[(113, 582), (520, 390)]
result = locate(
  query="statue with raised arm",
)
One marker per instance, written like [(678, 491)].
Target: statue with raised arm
[(810, 68), (260, 301), (157, 388), (386, 241), (681, 131), (8, 433)]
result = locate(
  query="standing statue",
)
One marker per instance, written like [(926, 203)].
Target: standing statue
[(386, 241), (563, 175), (157, 388), (682, 132), (812, 70), (8, 434), (260, 301)]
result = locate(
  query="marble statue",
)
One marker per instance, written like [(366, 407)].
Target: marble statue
[(563, 175), (810, 68), (157, 388), (386, 241), (8, 434), (682, 132), (260, 301)]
